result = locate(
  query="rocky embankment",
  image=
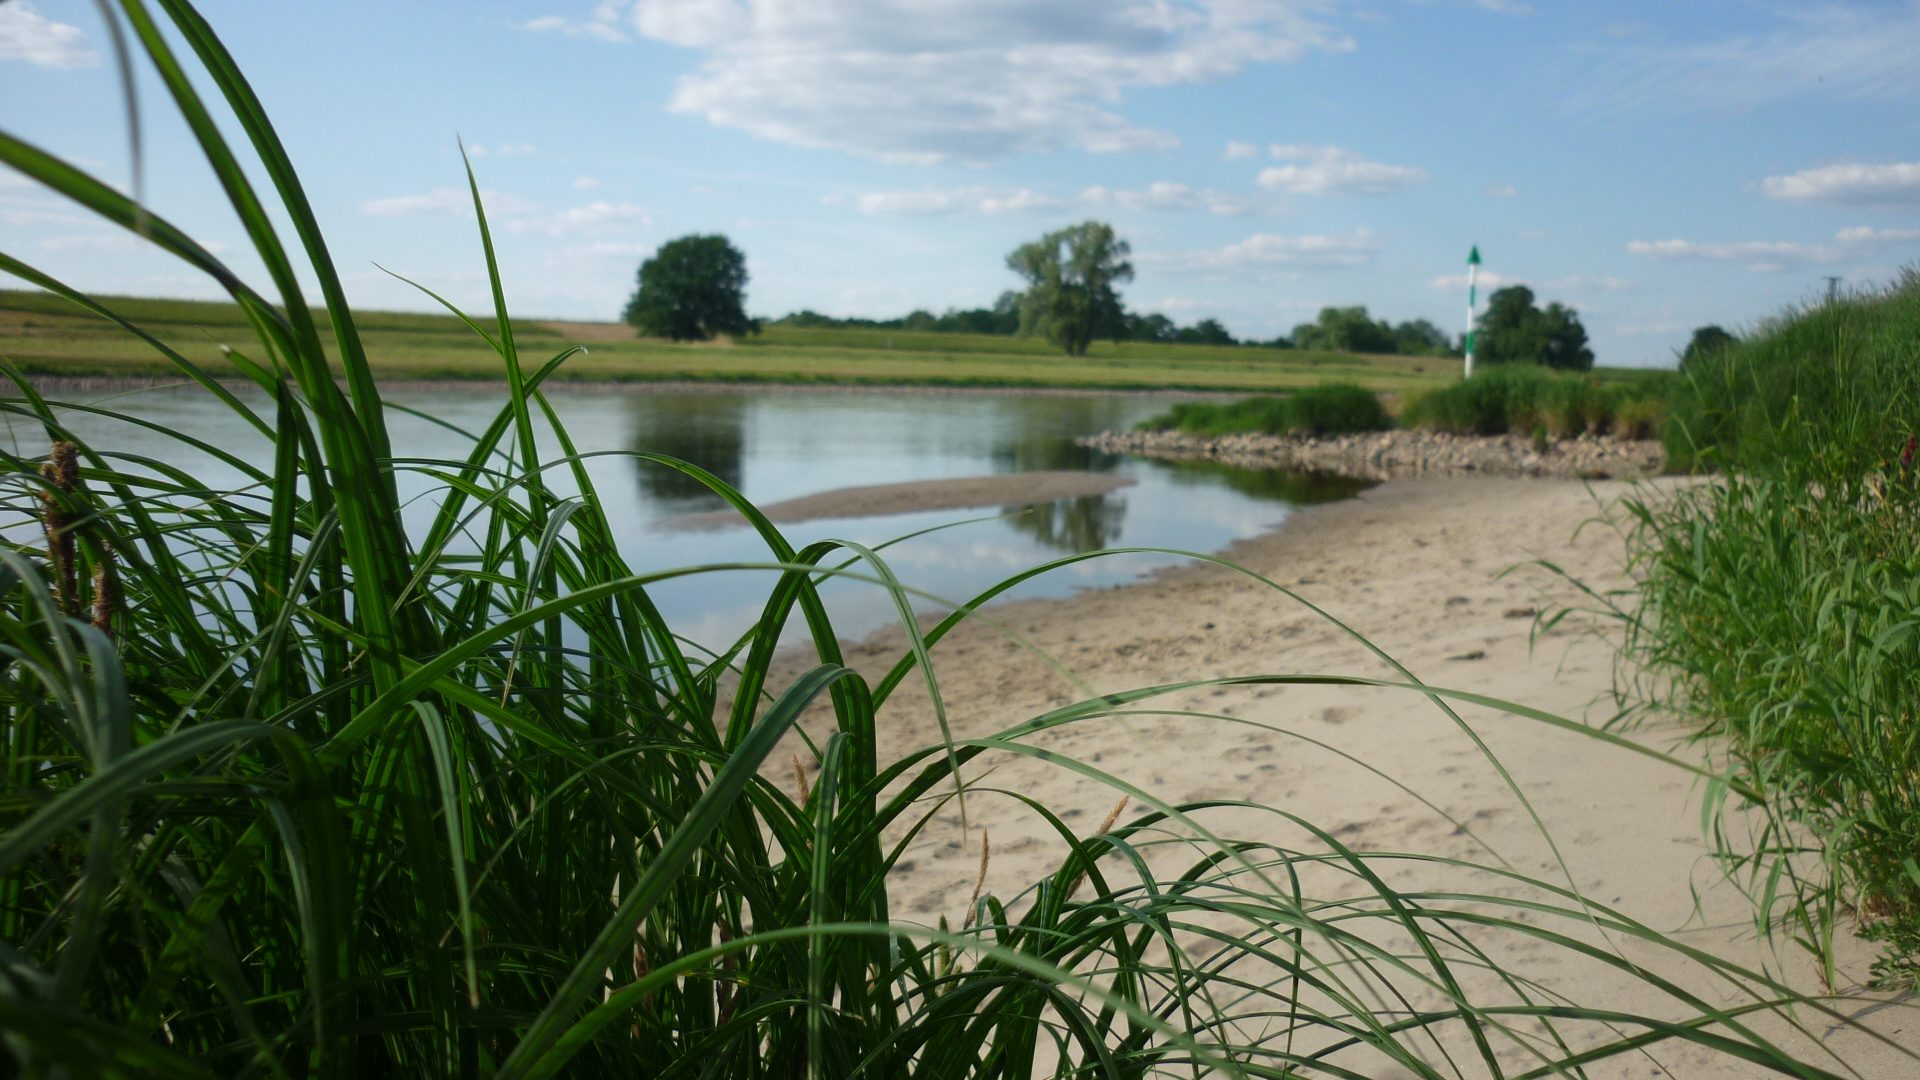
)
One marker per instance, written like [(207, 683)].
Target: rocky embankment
[(1395, 455)]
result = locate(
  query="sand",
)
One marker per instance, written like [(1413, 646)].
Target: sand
[(1423, 569), (1005, 489)]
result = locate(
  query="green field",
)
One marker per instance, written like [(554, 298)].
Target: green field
[(45, 335)]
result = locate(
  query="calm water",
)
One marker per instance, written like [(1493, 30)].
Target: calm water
[(777, 444)]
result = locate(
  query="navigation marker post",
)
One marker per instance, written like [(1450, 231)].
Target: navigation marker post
[(1473, 275)]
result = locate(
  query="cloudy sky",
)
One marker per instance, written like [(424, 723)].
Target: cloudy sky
[(1656, 165)]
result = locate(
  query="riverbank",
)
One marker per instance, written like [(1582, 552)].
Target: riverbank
[(1400, 455), (68, 385), (1421, 570)]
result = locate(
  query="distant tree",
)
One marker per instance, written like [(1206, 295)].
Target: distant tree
[(1707, 340), (1154, 327), (1345, 329), (1514, 331), (1205, 332), (692, 289), (1419, 337), (1070, 276)]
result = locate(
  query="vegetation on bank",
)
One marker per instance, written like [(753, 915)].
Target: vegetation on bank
[(296, 791), (1326, 409), (1530, 400), (44, 334), (1507, 398), (1780, 608)]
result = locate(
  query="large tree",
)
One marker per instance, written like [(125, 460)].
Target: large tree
[(692, 288), (1070, 276), (1515, 331)]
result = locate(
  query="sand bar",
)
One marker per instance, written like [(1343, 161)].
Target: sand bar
[(960, 493), (1419, 567)]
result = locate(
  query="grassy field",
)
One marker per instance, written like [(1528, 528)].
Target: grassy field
[(44, 335)]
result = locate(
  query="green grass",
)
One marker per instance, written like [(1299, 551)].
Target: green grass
[(1781, 605), (43, 334), (295, 792), (1323, 409), (1530, 400)]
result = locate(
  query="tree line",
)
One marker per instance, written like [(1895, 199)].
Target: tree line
[(695, 287)]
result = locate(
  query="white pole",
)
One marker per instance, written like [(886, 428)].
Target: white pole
[(1473, 272)]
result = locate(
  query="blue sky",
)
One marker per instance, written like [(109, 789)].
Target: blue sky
[(1657, 166)]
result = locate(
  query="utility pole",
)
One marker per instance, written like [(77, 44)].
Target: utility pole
[(1473, 285)]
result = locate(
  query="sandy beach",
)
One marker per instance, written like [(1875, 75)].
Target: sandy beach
[(1440, 574)]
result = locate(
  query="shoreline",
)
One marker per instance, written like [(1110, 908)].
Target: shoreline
[(1400, 454), (114, 384)]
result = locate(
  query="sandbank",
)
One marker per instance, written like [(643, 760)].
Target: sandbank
[(1425, 570)]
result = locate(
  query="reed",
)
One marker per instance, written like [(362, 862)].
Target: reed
[(295, 791), (1779, 604)]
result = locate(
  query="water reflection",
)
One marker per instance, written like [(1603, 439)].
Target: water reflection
[(1073, 525), (708, 430), (1042, 433), (1297, 488)]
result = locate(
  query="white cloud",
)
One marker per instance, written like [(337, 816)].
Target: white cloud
[(1505, 7), (447, 201), (937, 202), (964, 200), (504, 149), (965, 79), (1169, 196), (596, 217), (1238, 150), (1874, 186), (585, 183), (1847, 244), (1486, 279), (1829, 50), (1502, 191), (1274, 249), (602, 25), (1331, 170), (27, 35)]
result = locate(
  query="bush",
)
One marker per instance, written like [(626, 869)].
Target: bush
[(1327, 409)]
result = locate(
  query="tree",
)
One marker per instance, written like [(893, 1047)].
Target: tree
[(1205, 332), (1154, 327), (1516, 332), (692, 289), (1345, 329), (1070, 276), (1707, 340), (1420, 338)]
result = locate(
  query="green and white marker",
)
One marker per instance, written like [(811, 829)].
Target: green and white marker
[(1473, 285)]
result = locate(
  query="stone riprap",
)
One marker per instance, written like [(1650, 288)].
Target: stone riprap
[(1395, 455)]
